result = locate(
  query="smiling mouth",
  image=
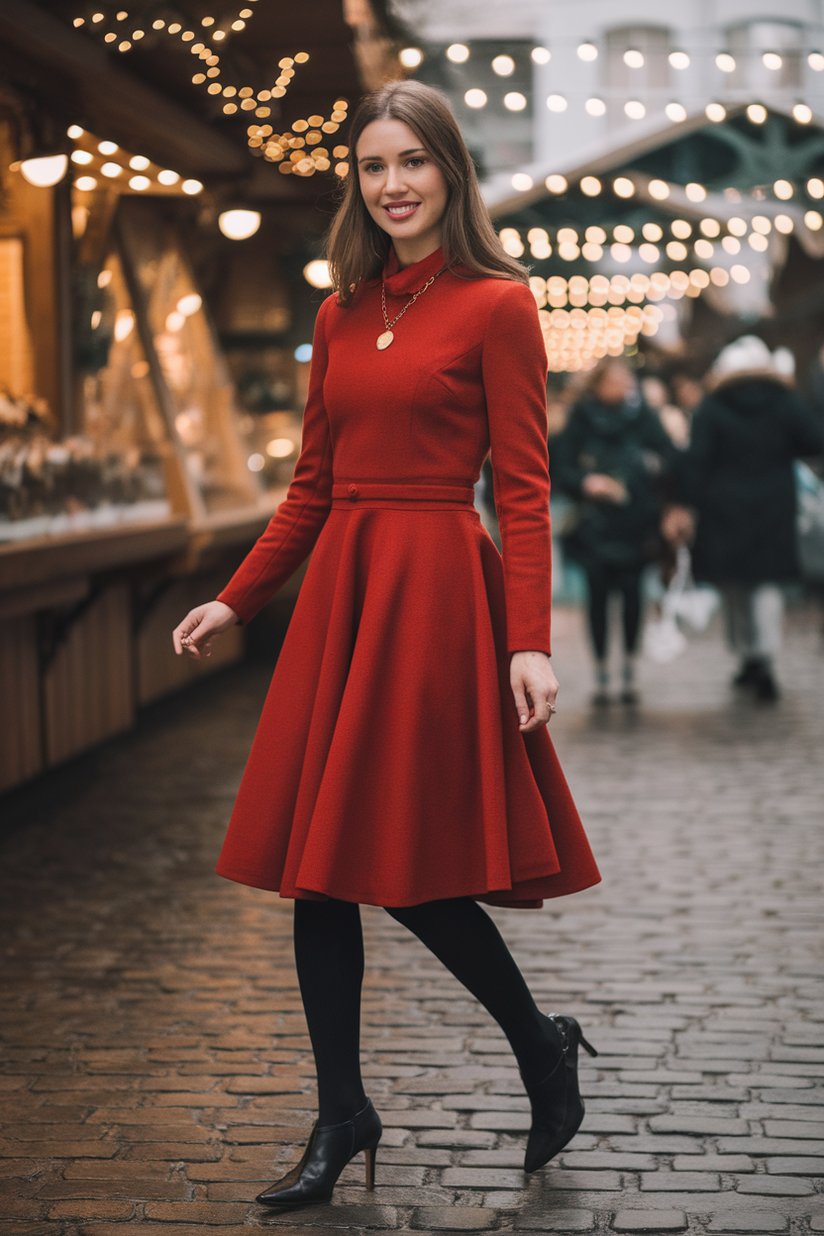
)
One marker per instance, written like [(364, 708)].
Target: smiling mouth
[(401, 210)]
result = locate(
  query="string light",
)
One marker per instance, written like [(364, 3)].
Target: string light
[(541, 55), (475, 98), (458, 53), (504, 66), (587, 51)]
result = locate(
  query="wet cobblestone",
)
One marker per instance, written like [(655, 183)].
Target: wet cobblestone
[(155, 1064)]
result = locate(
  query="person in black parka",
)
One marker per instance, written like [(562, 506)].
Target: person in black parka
[(613, 457), (739, 478)]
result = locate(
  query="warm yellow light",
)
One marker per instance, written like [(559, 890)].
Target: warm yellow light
[(158, 24), (85, 184), (595, 235), (783, 189), (139, 183), (522, 182), (112, 170), (652, 231), (679, 60), (695, 192), (175, 321), (783, 224), (740, 274), (659, 189), (316, 273), (45, 171), (802, 113), (634, 59), (813, 220), (541, 55), (623, 186), (761, 224), (504, 66), (256, 462), (772, 61), (715, 112), (756, 113), (736, 226), (475, 98), (635, 109), (104, 278), (138, 163), (168, 177), (123, 325), (218, 35), (676, 112), (280, 448), (625, 235), (208, 21), (514, 101), (192, 187), (107, 148), (74, 131), (587, 51), (82, 157), (189, 304), (556, 183), (238, 25), (816, 61), (725, 62), (239, 224), (591, 186), (681, 228), (458, 53)]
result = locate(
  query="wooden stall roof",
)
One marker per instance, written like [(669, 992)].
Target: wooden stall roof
[(148, 92)]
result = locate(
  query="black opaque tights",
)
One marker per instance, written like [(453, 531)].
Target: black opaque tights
[(329, 956)]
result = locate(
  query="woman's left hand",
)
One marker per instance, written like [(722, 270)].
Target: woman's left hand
[(535, 688)]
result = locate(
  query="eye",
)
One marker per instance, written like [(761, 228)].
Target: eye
[(373, 167), (416, 161)]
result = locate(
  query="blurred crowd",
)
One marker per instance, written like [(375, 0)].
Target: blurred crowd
[(675, 484)]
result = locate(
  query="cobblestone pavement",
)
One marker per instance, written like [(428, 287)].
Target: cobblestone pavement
[(155, 1065)]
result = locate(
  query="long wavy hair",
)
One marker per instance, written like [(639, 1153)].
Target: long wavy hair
[(358, 248)]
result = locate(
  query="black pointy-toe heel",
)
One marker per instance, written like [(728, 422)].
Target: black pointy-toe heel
[(557, 1106), (327, 1153)]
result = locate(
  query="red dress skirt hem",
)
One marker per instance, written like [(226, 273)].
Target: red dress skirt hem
[(388, 767)]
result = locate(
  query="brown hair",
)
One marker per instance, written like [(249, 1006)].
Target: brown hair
[(358, 249)]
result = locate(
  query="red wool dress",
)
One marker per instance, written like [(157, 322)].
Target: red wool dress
[(388, 767)]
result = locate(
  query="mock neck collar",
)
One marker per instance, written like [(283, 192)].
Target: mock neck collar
[(405, 282)]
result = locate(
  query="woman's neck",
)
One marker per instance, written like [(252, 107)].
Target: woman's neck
[(408, 252)]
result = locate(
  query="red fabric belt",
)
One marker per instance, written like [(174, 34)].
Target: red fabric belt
[(356, 493)]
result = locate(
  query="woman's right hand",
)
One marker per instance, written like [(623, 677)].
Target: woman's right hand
[(200, 626)]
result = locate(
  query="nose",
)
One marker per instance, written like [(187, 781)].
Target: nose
[(395, 181)]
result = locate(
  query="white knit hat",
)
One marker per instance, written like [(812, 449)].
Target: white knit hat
[(750, 355)]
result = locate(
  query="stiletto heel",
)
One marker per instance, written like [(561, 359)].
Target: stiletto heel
[(329, 1149), (557, 1106), (369, 1155)]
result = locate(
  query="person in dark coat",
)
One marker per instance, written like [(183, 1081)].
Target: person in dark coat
[(740, 480), (612, 457)]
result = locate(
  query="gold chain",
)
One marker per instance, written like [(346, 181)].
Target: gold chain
[(409, 305)]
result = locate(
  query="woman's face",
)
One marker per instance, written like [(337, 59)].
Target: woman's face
[(615, 385), (404, 189)]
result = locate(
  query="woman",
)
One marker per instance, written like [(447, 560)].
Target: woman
[(611, 457), (402, 758), (739, 477)]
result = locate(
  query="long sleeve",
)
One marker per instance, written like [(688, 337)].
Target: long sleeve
[(514, 377), (293, 530)]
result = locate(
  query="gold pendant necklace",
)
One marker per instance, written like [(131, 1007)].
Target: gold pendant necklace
[(387, 336)]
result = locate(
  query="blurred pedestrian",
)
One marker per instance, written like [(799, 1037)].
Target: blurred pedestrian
[(739, 478), (402, 759), (612, 458)]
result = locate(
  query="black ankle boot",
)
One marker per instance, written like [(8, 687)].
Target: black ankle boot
[(557, 1106), (329, 1149)]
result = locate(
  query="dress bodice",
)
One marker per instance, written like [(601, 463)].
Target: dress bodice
[(465, 373)]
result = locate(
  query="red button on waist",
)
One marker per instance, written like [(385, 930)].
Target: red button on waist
[(353, 491)]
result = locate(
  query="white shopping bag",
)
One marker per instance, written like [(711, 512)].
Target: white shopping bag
[(683, 602)]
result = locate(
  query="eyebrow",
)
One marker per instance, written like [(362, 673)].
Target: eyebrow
[(402, 155)]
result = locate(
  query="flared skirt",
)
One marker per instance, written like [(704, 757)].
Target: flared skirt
[(388, 767)]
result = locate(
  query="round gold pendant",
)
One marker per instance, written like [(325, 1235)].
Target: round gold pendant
[(384, 340)]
